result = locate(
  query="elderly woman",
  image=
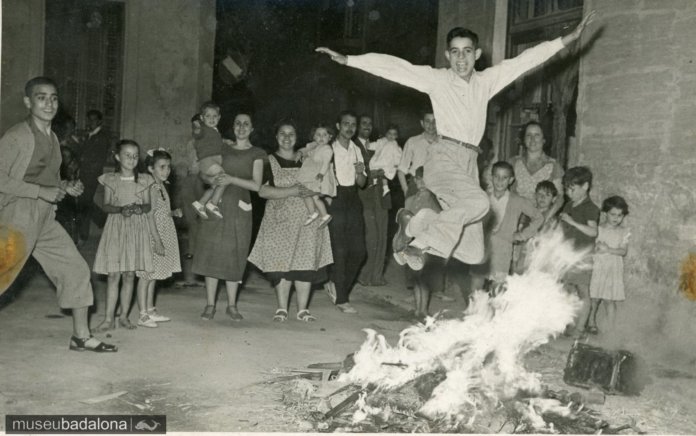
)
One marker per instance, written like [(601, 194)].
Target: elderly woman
[(286, 250), (222, 245)]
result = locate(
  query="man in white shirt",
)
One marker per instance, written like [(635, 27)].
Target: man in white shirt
[(346, 228), (459, 96), (416, 151)]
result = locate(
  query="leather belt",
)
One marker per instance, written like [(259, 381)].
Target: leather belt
[(462, 143)]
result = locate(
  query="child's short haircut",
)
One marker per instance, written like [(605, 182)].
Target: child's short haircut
[(419, 172), (578, 176), (460, 32), (617, 202), (36, 81), (209, 105), (504, 165), (151, 159), (393, 126), (548, 187)]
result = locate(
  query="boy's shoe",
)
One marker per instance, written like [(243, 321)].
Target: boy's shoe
[(346, 308), (200, 209), (401, 239), (156, 317), (146, 321), (210, 207), (324, 221), (310, 219)]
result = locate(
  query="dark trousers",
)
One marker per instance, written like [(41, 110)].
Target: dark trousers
[(190, 189), (376, 233), (347, 240)]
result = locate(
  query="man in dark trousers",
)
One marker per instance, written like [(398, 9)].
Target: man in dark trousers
[(375, 212), (94, 151), (346, 227)]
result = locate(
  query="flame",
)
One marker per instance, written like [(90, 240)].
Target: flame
[(688, 277), (481, 353)]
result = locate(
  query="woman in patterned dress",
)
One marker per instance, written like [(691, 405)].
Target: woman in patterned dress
[(286, 250), (222, 245), (532, 167)]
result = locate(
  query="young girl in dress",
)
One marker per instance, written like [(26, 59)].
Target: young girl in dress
[(316, 174), (387, 156), (159, 164), (607, 285), (129, 235)]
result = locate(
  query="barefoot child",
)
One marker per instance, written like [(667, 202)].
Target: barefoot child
[(209, 146), (317, 175), (386, 158), (127, 241), (159, 164), (606, 284)]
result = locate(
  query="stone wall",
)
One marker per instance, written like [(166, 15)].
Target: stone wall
[(22, 55), (637, 131), (167, 70)]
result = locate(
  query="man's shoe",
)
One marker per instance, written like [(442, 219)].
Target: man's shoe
[(401, 239), (346, 308)]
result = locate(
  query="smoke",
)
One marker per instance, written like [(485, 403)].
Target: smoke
[(482, 352)]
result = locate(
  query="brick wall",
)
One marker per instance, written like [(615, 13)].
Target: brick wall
[(637, 131)]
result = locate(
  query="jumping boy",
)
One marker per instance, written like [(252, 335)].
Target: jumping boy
[(30, 186), (459, 97)]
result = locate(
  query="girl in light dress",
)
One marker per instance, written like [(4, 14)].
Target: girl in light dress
[(316, 174), (159, 164), (129, 236), (611, 245)]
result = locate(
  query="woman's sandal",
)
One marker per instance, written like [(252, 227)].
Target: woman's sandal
[(304, 315), (208, 313), (91, 344), (280, 315), (126, 324), (105, 326)]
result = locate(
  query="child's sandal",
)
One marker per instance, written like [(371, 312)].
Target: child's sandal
[(311, 218), (304, 315), (280, 315), (324, 221), (210, 207), (200, 209)]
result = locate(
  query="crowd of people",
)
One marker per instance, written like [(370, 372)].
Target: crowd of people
[(327, 202)]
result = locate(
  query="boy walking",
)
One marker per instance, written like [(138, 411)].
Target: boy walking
[(579, 219), (459, 97)]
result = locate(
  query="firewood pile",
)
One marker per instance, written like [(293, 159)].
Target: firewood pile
[(325, 405)]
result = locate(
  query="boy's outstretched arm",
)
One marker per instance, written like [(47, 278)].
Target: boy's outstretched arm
[(575, 34), (335, 56)]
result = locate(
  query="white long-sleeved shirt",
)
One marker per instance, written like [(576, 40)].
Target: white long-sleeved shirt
[(459, 106), (415, 152)]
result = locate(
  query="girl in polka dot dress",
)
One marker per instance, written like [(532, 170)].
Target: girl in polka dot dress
[(158, 163)]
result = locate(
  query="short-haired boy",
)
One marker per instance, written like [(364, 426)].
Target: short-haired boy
[(500, 226), (579, 219)]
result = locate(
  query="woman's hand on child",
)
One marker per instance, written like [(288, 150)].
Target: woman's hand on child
[(159, 247), (303, 191), (177, 213), (335, 56), (223, 179)]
